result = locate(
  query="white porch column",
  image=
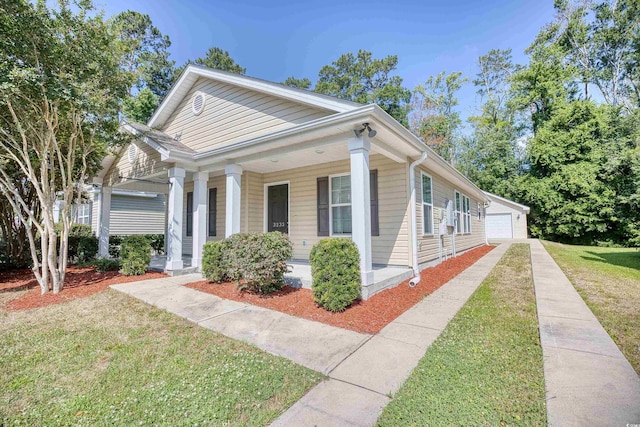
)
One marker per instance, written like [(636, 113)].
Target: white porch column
[(174, 218), (361, 204), (200, 180), (232, 213), (103, 222)]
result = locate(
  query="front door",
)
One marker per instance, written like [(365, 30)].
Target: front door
[(278, 208)]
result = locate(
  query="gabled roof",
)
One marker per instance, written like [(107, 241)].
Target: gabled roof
[(162, 142), (523, 208), (193, 72)]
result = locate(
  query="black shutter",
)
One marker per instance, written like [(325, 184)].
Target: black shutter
[(189, 214), (213, 204), (373, 189), (323, 206)]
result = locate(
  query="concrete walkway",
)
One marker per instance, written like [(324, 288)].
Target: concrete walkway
[(363, 370), (588, 380), (358, 389)]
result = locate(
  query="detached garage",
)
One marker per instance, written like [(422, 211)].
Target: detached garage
[(505, 219)]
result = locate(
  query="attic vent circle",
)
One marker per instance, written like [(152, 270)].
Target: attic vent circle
[(197, 103), (132, 153)]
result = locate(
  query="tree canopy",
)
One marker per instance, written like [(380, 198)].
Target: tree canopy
[(61, 86), (362, 78)]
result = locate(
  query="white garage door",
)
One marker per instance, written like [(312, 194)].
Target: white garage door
[(499, 226)]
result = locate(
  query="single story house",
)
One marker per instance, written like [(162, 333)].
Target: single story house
[(506, 219), (149, 209), (238, 154)]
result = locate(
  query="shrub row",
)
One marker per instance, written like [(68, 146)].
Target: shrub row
[(257, 262)]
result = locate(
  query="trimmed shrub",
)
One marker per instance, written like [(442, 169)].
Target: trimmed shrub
[(157, 243), (135, 255), (335, 268), (114, 246), (258, 261), (103, 265), (83, 248), (214, 267)]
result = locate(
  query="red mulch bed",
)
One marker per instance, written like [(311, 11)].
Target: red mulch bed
[(368, 316), (79, 283)]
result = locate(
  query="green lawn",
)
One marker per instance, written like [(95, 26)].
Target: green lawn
[(486, 367), (110, 360), (608, 279)]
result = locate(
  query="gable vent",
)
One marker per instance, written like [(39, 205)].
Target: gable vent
[(197, 103), (132, 153)]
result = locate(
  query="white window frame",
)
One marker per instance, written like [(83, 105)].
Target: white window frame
[(85, 215), (463, 223), (422, 175), (332, 205)]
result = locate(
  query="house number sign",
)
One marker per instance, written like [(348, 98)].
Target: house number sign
[(278, 224)]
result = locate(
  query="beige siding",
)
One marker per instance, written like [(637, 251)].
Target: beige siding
[(233, 114), (147, 163), (391, 247), (428, 247), (518, 218), (214, 182), (254, 198), (133, 214)]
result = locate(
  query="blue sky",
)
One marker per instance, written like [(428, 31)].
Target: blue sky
[(274, 40)]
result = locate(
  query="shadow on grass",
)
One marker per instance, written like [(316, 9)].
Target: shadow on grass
[(621, 258)]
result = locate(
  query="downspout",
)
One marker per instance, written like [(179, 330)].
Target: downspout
[(414, 220)]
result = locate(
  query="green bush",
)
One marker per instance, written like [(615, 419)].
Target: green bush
[(135, 255), (335, 269), (106, 264), (257, 261), (82, 248), (214, 268), (157, 243), (114, 246)]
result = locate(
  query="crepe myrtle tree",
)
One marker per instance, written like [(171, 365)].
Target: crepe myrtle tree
[(60, 90)]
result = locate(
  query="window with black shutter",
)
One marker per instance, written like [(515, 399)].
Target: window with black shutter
[(324, 206), (213, 203), (189, 214)]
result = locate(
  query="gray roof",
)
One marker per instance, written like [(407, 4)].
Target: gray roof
[(162, 139)]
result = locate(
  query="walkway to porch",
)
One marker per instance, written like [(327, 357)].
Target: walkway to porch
[(299, 275)]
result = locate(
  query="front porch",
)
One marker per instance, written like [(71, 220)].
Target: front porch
[(299, 276), (384, 276)]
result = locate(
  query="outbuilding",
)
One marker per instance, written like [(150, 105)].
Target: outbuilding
[(505, 219)]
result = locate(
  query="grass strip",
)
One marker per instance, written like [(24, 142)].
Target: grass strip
[(486, 367), (111, 360), (608, 279)]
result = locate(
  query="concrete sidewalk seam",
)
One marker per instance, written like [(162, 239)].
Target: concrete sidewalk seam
[(419, 326), (587, 352), (351, 354), (359, 386), (217, 315)]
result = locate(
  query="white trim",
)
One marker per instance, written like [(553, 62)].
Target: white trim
[(266, 207), (194, 108), (331, 205), (525, 209), (461, 214), (422, 202), (192, 72), (486, 224)]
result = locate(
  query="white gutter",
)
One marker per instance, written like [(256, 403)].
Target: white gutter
[(414, 219)]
